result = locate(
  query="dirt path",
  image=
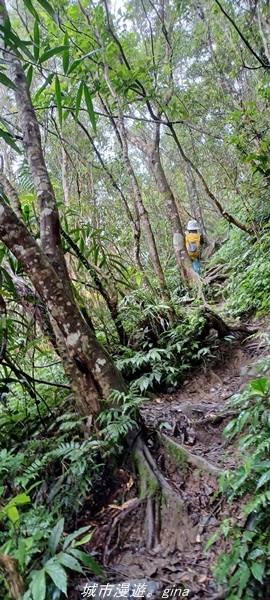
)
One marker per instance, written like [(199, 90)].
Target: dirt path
[(189, 417)]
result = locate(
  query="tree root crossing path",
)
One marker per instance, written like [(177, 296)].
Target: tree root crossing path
[(153, 530)]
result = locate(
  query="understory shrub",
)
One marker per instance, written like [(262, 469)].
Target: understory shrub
[(167, 362), (248, 287)]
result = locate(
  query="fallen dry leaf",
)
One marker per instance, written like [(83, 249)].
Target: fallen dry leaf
[(123, 506)]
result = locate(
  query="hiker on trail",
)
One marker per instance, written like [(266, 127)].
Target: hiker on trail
[(194, 241)]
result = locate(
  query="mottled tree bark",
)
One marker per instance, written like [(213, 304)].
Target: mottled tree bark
[(94, 374), (11, 193), (49, 217)]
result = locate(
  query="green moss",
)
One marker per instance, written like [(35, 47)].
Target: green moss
[(178, 455), (149, 484)]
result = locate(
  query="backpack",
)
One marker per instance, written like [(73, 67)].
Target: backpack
[(193, 245)]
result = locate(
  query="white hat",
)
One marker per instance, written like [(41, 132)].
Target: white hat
[(192, 225)]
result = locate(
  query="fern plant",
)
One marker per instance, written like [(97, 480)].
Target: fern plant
[(119, 420), (245, 569)]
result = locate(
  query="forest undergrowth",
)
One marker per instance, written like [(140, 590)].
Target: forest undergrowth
[(58, 472), (134, 392)]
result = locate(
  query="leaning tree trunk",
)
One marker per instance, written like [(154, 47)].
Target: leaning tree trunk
[(94, 374), (152, 151), (193, 196)]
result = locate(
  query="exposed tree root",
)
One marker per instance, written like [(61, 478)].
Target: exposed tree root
[(167, 523), (214, 321), (218, 418), (181, 456), (109, 550), (215, 274)]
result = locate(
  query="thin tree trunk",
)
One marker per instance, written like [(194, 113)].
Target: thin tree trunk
[(152, 151), (181, 255), (134, 221), (111, 298), (49, 217), (143, 214), (193, 197)]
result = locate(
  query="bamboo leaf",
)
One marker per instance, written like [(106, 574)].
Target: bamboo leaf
[(7, 82), (49, 10), (9, 140), (29, 75), (44, 85), (78, 100), (11, 39), (52, 52), (58, 100), (31, 9), (36, 38), (78, 61), (90, 109), (65, 56)]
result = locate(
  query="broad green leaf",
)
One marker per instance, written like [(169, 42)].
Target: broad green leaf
[(21, 499), (89, 104), (69, 561), (88, 561), (36, 38), (257, 570), (49, 9), (58, 100), (31, 8), (9, 140), (7, 82), (38, 585), (78, 100), (260, 385), (65, 56), (57, 574), (44, 85), (52, 52), (56, 536), (12, 513), (74, 535), (84, 540)]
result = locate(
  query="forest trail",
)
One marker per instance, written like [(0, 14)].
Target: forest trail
[(196, 414)]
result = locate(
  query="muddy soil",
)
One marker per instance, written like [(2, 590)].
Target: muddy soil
[(194, 416)]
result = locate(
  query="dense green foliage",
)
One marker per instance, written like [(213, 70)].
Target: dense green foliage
[(160, 99), (245, 568)]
